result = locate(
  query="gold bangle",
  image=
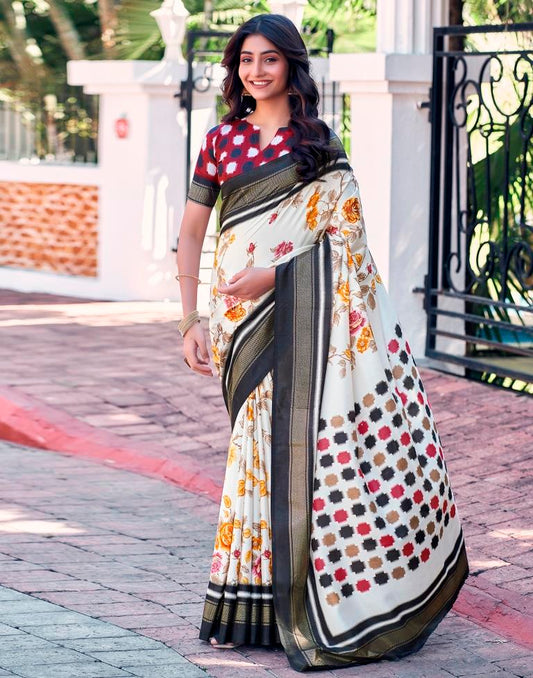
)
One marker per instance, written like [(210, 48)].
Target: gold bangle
[(187, 275), (186, 323)]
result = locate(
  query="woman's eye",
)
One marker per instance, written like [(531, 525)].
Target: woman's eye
[(245, 60)]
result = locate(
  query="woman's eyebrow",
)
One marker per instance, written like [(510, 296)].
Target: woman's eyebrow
[(268, 51)]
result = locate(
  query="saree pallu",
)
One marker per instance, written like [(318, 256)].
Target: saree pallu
[(338, 532)]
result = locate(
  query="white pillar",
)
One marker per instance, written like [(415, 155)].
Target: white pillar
[(143, 174), (292, 9), (390, 147)]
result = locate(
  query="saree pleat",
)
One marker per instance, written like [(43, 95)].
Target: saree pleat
[(338, 531)]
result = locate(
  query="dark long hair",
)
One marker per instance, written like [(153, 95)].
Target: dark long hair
[(311, 139)]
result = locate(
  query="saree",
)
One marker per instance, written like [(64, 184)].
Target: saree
[(338, 533)]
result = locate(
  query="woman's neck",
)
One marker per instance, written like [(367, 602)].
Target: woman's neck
[(273, 113)]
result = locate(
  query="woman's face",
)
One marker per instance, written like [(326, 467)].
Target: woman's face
[(263, 69)]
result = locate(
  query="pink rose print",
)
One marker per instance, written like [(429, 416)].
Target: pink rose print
[(273, 218), (256, 569), (251, 248), (332, 230), (216, 565), (236, 554), (357, 320), (231, 301), (266, 554), (282, 249)]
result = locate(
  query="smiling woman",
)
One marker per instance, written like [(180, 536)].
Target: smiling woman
[(338, 534)]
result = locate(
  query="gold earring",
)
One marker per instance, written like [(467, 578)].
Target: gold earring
[(245, 93)]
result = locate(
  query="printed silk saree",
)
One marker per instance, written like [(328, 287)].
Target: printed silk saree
[(338, 533)]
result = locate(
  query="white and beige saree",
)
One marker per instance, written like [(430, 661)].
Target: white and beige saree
[(338, 532)]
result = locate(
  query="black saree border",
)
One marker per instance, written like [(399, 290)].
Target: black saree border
[(261, 189), (431, 602), (302, 322), (241, 614), (250, 357)]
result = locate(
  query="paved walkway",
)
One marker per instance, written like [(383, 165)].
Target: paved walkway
[(106, 381), (122, 561)]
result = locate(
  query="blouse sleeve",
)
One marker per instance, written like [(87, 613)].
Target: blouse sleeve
[(205, 186)]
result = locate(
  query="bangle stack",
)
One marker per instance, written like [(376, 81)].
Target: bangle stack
[(186, 323)]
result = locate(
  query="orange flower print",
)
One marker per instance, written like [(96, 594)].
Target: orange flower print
[(358, 259), (225, 535), (241, 488), (236, 313), (351, 210), (282, 249), (364, 339), (357, 320), (311, 214), (344, 292)]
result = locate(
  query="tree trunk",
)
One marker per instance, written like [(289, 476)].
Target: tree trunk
[(455, 18), (108, 25), (66, 31), (16, 39)]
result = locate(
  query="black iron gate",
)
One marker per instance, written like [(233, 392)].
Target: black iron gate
[(478, 289)]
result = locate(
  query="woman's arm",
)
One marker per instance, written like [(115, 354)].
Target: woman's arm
[(190, 241)]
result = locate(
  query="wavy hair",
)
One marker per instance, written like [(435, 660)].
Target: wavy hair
[(311, 148)]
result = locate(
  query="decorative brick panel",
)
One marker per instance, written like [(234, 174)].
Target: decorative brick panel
[(49, 227)]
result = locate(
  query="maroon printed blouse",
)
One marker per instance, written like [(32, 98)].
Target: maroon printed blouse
[(229, 149)]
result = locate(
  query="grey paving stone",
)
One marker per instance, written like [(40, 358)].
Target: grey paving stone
[(6, 630), (90, 629), (177, 671), (157, 657), (85, 670), (109, 644), (47, 655), (25, 605), (29, 619), (10, 594)]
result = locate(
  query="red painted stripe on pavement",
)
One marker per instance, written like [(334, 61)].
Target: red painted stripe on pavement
[(27, 421), (494, 613)]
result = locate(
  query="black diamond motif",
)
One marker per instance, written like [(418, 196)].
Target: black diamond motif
[(323, 520), (382, 500), (370, 441), (369, 544), (376, 414), (334, 556), (346, 590), (346, 531), (420, 537), (336, 496), (381, 578), (325, 580), (340, 437), (382, 387), (326, 460), (387, 473), (348, 473)]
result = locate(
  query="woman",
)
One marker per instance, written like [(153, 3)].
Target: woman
[(338, 533)]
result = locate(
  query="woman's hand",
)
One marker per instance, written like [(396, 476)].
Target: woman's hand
[(250, 283), (195, 350)]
